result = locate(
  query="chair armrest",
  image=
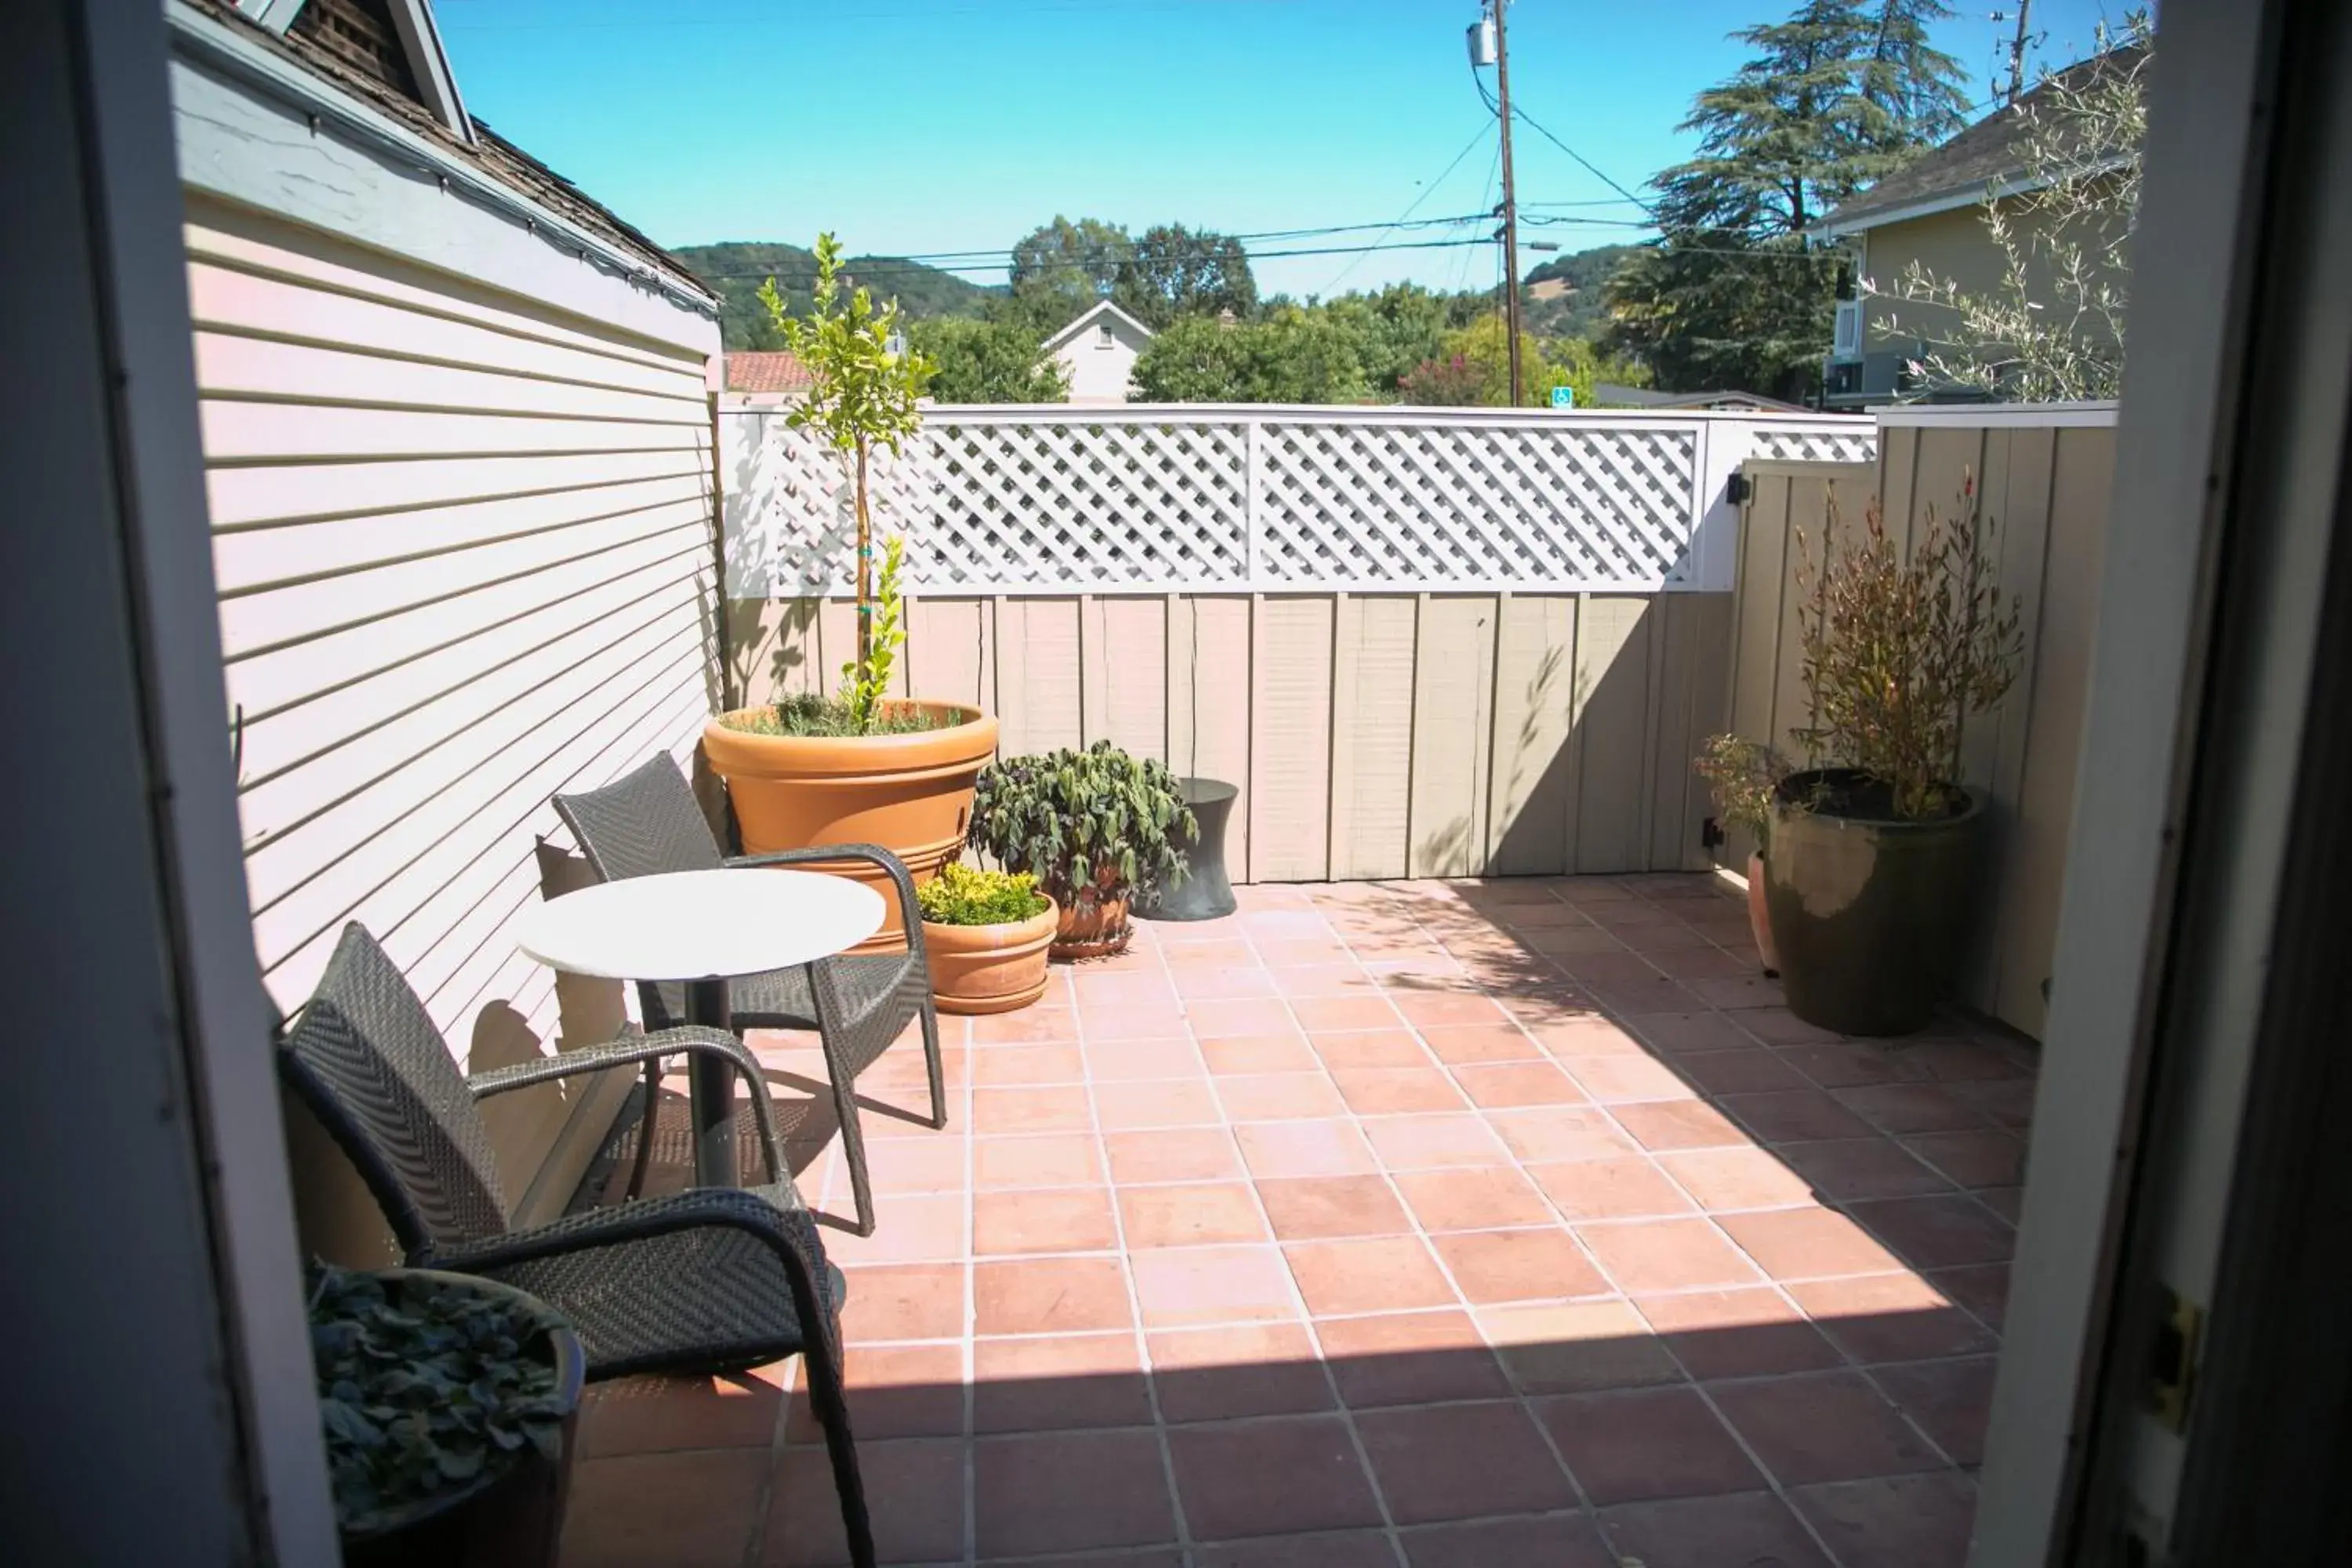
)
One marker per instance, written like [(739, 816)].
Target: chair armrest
[(791, 1233), (910, 910), (633, 1048)]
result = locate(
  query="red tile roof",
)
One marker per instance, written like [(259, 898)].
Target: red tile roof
[(767, 372)]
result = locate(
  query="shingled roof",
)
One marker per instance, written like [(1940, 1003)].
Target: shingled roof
[(1959, 172)]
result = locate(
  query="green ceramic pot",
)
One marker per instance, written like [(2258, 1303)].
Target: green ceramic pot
[(1871, 913)]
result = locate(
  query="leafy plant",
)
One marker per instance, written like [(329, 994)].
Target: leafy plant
[(809, 714), (963, 895), (1741, 774), (1895, 655), (866, 680), (864, 397), (1091, 826), (425, 1388)]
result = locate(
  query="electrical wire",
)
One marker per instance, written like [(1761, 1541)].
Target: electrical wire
[(1426, 192)]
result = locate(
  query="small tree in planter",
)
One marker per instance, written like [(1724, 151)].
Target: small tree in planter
[(1872, 876), (1095, 827), (859, 766)]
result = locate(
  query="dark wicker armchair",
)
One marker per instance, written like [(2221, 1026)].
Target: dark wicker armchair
[(711, 1280), (647, 822)]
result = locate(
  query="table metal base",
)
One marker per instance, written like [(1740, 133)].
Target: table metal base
[(711, 1081)]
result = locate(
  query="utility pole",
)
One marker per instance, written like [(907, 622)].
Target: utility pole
[(1511, 199), (2017, 49)]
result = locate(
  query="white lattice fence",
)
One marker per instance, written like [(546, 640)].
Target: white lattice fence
[(1783, 445), (1191, 499)]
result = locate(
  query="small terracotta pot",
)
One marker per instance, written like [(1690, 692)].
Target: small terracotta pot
[(1760, 918), (989, 968), (910, 793), (1093, 926)]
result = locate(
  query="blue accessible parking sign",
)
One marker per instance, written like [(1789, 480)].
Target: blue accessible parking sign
[(1563, 397)]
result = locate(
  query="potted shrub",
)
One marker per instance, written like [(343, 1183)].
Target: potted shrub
[(984, 936), (1874, 873), (860, 766), (1095, 827), (1741, 776), (448, 1402)]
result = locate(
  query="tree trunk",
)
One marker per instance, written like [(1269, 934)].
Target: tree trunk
[(865, 567)]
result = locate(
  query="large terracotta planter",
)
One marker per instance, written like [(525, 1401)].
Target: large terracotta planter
[(1093, 925), (989, 968), (1759, 915), (911, 794)]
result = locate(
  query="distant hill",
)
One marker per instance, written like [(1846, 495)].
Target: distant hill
[(736, 267), (1575, 305)]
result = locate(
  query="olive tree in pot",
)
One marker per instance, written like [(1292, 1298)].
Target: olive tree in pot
[(1097, 828), (1742, 775), (861, 767), (1874, 872), (449, 1403)]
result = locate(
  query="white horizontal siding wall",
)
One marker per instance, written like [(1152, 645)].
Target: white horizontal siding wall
[(465, 558)]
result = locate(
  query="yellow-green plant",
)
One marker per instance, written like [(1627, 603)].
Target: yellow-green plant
[(963, 895), (1741, 776), (863, 396), (1896, 654)]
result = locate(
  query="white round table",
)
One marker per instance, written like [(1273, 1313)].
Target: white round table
[(703, 928)]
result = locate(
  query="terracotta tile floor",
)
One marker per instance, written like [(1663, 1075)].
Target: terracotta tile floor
[(1419, 1225)]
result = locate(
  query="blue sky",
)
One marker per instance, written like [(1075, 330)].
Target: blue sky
[(927, 126)]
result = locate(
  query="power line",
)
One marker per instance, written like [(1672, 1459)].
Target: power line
[(1426, 192), (901, 265), (1589, 166)]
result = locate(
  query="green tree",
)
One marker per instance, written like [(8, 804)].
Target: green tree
[(1837, 96), (989, 361), (1061, 267), (1396, 330), (1473, 367), (1293, 355), (1178, 271)]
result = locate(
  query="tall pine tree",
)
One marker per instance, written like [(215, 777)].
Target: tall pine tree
[(1836, 98)]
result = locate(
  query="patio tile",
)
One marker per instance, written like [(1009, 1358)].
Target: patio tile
[(914, 1500), (1270, 1478), (1047, 1295), (1180, 1155), (1191, 1215), (1309, 1208), (1469, 1043), (1628, 1188), (1822, 1426), (1729, 1179), (1679, 1124), (1002, 1067), (1066, 1380), (1389, 1091), (1344, 979), (1004, 1110), (915, 1164), (1749, 1527), (1510, 1085), (1894, 1522), (1589, 1035), (1437, 1009), (1790, 1115), (1224, 1373), (1749, 1331), (2007, 1201), (1779, 1026), (1976, 1158), (1070, 1492), (1042, 1022), (1280, 1096), (1382, 1274), (1937, 1232), (1649, 1255), (1281, 1149), (1807, 1244), (1248, 1054), (1410, 1358), (1130, 1022), (921, 1227), (1370, 1048), (1547, 1541), (1190, 1286), (1890, 1317), (1614, 1079), (1872, 1167), (1461, 1461), (1222, 982), (1478, 1198), (1319, 1015), (894, 1391), (1564, 1134), (904, 1301), (1051, 1160), (1576, 1347), (1149, 1106), (1631, 999), (1134, 1061), (1738, 994), (1738, 1072), (1951, 1401), (1339, 1549), (1491, 1268), (1901, 1108), (1212, 1020), (1633, 1445), (655, 1414), (1437, 1141), (1067, 1219), (1981, 1288), (1680, 1032)]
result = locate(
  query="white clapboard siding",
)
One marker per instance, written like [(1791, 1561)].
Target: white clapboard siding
[(464, 547)]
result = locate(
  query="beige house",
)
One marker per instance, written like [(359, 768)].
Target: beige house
[(1097, 351), (1931, 216)]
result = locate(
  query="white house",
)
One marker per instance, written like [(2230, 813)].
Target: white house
[(1098, 351)]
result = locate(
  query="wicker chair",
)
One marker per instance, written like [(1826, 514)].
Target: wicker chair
[(647, 822), (711, 1280)]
